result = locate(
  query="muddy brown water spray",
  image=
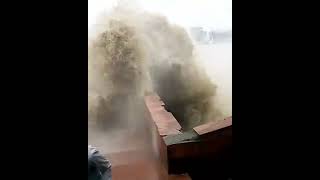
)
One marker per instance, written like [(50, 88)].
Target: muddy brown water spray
[(133, 52)]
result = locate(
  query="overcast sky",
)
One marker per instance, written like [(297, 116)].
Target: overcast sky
[(215, 14)]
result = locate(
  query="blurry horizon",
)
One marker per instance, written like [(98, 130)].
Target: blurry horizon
[(209, 14)]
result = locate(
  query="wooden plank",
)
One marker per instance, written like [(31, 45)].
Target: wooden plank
[(164, 120), (181, 138), (210, 146), (213, 126)]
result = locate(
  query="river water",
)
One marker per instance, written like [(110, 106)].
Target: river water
[(217, 60)]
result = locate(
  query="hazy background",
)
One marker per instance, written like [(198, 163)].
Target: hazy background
[(215, 15), (208, 13)]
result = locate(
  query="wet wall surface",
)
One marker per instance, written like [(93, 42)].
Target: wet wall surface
[(134, 148)]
